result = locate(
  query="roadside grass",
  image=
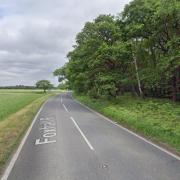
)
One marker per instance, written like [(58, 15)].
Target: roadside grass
[(156, 119), (21, 108)]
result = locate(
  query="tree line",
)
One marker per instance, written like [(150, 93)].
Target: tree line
[(18, 87), (136, 51)]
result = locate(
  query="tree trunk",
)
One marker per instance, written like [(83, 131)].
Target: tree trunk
[(133, 90), (174, 88), (176, 84), (137, 76), (153, 55)]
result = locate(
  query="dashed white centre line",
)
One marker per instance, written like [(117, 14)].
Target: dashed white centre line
[(78, 128), (65, 108)]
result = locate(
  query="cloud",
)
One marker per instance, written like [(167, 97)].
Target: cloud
[(35, 36)]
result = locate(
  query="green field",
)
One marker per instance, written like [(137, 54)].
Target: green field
[(157, 119), (12, 102), (17, 109)]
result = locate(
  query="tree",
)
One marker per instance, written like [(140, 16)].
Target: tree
[(136, 51), (92, 56), (153, 28), (44, 84), (60, 73)]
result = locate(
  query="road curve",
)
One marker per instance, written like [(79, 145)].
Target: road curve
[(69, 142)]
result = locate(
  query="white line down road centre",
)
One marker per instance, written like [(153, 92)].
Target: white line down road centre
[(78, 128)]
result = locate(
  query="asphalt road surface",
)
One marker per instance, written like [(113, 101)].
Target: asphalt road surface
[(70, 142)]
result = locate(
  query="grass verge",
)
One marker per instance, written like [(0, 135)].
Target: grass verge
[(14, 126), (156, 119)]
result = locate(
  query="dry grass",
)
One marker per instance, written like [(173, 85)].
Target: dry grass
[(13, 128)]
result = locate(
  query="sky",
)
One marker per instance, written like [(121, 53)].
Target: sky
[(36, 35)]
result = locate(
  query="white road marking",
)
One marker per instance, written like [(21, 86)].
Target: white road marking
[(46, 141), (78, 128), (61, 99), (140, 137), (15, 156), (65, 108), (47, 130)]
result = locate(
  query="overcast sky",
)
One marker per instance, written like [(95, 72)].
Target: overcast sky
[(36, 35)]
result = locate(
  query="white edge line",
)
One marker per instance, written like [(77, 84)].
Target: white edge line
[(65, 108), (78, 128), (15, 156), (140, 137)]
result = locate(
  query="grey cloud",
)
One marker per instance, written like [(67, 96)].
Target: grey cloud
[(35, 36)]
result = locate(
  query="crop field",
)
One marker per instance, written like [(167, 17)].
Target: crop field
[(17, 109), (12, 102), (20, 91)]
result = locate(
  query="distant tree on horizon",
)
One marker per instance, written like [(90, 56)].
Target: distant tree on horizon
[(44, 84)]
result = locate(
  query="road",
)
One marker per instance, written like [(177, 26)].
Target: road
[(69, 142)]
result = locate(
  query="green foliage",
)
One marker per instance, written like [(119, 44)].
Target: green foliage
[(64, 86), (60, 73), (136, 51), (44, 84)]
